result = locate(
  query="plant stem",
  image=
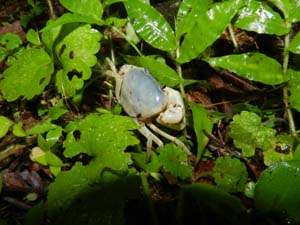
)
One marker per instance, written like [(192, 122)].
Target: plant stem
[(129, 41), (52, 14), (147, 193), (232, 36), (179, 72), (286, 88)]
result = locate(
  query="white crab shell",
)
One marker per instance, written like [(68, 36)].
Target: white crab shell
[(140, 94)]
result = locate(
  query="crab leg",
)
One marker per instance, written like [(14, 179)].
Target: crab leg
[(170, 137), (148, 135)]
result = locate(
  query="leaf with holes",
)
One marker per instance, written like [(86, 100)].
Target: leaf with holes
[(76, 53), (33, 68)]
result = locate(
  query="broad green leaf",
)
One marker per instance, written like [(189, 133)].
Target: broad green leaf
[(4, 125), (164, 74), (201, 122), (150, 25), (33, 68), (261, 18), (70, 18), (294, 88), (33, 37), (10, 41), (109, 2), (294, 15), (187, 15), (207, 204), (252, 66), (283, 151), (230, 174), (277, 191), (105, 137), (91, 8), (283, 5), (76, 53), (248, 133), (72, 197), (207, 29), (175, 161), (295, 44)]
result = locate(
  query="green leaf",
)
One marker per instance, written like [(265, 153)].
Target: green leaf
[(33, 37), (3, 53), (188, 11), (277, 189), (56, 112), (252, 66), (4, 125), (164, 74), (91, 8), (33, 68), (282, 152), (10, 41), (18, 130), (207, 29), (42, 127), (294, 15), (98, 138), (201, 123), (150, 25), (230, 174), (248, 133), (295, 44), (261, 18), (73, 198), (175, 161), (294, 88), (76, 53), (71, 18), (53, 136), (283, 5), (210, 205), (140, 159)]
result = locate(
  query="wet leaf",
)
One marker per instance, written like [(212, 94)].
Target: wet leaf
[(70, 18), (201, 123), (207, 29), (294, 15), (174, 161), (77, 55), (56, 112), (259, 17), (150, 25), (252, 66), (5, 124), (188, 11), (277, 189), (295, 44), (164, 74), (283, 5), (210, 205), (33, 68), (230, 174), (248, 133), (91, 8), (10, 41)]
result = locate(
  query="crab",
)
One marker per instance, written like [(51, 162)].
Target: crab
[(146, 102)]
